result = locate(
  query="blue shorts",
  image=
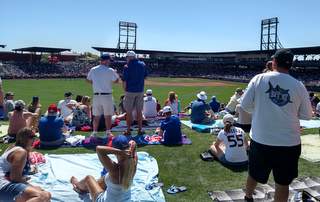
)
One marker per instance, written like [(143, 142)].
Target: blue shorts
[(224, 161), (11, 191)]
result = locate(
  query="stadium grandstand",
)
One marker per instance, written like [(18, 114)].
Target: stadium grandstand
[(234, 66), (46, 62)]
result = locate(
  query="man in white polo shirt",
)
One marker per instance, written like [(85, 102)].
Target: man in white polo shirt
[(101, 77), (149, 105), (277, 101)]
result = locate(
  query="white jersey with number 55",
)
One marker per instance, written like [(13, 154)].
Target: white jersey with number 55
[(234, 142)]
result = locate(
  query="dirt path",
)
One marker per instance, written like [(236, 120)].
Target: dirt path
[(189, 84)]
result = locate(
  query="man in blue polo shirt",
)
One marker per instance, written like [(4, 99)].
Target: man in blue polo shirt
[(170, 128), (201, 112), (51, 128), (134, 75)]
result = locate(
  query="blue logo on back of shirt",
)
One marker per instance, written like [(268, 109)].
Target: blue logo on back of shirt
[(278, 95)]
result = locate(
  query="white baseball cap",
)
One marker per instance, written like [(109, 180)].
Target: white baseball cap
[(167, 109), (202, 95), (131, 54), (228, 118), (149, 92)]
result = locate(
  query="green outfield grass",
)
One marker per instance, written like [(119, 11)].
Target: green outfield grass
[(177, 165)]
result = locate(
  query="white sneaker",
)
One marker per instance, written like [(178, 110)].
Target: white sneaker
[(93, 134)]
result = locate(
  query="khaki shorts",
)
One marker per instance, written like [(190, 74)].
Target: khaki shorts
[(102, 105), (133, 101)]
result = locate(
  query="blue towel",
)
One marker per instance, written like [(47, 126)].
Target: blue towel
[(310, 123), (203, 128), (54, 176)]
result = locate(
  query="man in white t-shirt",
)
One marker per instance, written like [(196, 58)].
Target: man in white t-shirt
[(66, 107), (244, 118), (149, 105), (277, 101), (101, 77), (231, 106)]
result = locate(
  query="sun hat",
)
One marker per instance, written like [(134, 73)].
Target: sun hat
[(202, 96), (131, 54), (228, 118), (167, 109), (120, 142)]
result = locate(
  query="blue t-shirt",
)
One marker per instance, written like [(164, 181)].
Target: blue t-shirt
[(171, 128), (198, 111), (50, 128), (215, 105), (134, 76)]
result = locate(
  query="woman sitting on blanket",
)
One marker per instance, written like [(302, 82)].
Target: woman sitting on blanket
[(115, 185), (173, 102), (14, 166), (234, 151)]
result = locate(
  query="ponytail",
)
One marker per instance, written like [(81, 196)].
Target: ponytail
[(227, 127)]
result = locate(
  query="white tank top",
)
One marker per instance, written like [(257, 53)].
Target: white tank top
[(5, 166)]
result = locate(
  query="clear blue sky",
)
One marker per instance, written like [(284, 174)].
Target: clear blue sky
[(184, 25)]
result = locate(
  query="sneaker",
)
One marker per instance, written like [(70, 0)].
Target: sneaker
[(248, 199), (108, 133), (93, 134), (142, 132)]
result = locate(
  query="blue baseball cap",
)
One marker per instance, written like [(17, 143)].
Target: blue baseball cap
[(105, 56), (120, 142)]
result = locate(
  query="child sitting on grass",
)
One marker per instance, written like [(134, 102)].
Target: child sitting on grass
[(170, 128)]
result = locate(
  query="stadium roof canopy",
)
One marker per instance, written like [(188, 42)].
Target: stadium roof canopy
[(2, 46), (296, 51), (42, 50)]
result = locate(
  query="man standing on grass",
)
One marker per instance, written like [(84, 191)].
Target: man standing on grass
[(277, 101), (134, 75), (101, 77)]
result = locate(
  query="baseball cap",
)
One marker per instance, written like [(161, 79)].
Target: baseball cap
[(228, 118), (9, 93), (283, 57), (19, 104), (149, 92), (120, 142), (239, 90), (131, 54), (52, 108), (105, 56), (68, 94), (166, 109), (202, 95)]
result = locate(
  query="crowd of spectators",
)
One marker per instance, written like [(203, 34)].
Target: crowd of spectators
[(165, 68)]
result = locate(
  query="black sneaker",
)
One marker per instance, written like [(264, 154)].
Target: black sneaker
[(248, 199)]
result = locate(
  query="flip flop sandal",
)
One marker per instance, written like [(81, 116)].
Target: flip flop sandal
[(173, 189), (153, 185)]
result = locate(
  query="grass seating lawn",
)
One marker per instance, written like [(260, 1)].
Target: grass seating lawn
[(178, 165)]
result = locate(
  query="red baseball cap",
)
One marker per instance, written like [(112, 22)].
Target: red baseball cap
[(52, 108)]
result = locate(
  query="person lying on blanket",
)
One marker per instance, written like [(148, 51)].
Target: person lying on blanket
[(14, 166), (115, 185), (170, 128), (234, 153)]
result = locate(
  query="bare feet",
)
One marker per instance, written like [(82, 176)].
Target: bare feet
[(78, 187)]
